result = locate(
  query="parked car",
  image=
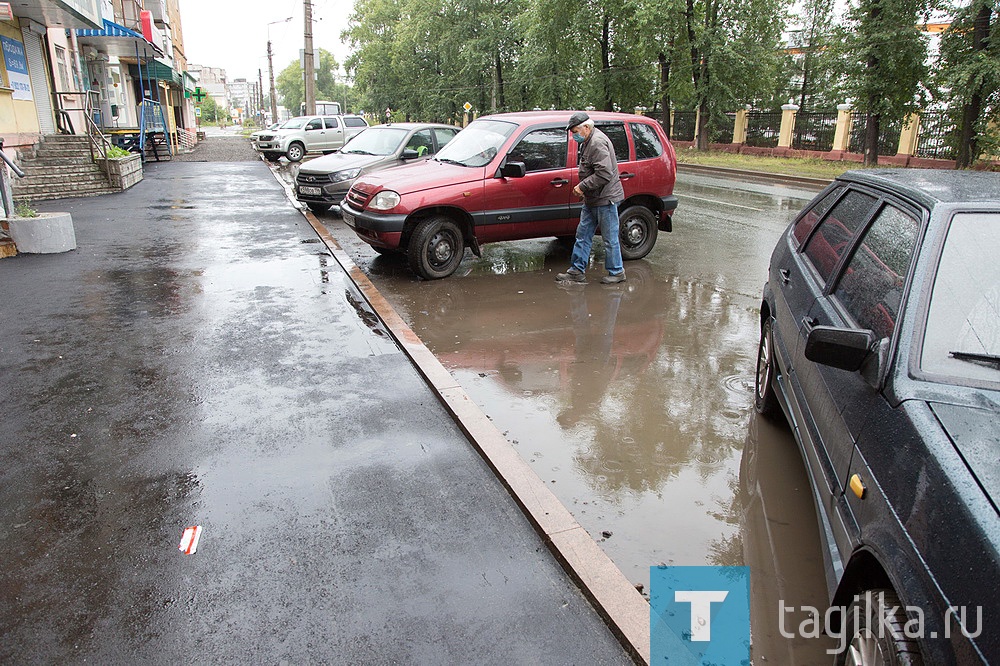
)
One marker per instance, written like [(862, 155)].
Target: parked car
[(510, 176), (309, 134), (324, 181), (255, 136), (880, 344)]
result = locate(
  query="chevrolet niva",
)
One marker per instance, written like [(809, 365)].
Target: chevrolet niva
[(506, 177)]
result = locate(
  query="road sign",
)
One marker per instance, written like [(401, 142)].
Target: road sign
[(197, 111), (199, 95), (467, 107)]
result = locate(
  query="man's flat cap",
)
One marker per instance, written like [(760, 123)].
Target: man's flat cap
[(577, 118)]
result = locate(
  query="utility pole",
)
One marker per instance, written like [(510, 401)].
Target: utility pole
[(308, 64), (260, 99), (270, 73)]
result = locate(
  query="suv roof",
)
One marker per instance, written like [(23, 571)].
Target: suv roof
[(561, 116), (931, 186)]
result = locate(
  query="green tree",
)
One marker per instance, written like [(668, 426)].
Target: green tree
[(884, 60), (289, 83), (970, 75), (209, 110)]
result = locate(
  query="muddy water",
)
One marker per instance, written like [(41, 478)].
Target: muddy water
[(633, 401)]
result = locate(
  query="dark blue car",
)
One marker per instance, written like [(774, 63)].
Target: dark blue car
[(880, 344)]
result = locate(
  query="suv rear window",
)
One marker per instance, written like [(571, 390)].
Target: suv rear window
[(616, 132), (833, 236), (647, 143), (332, 123)]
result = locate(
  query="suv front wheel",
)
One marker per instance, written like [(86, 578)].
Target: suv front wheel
[(636, 231), (296, 152), (436, 248)]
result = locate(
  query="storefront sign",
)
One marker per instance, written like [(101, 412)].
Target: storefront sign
[(17, 67)]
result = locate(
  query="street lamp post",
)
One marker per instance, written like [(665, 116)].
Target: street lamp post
[(270, 69)]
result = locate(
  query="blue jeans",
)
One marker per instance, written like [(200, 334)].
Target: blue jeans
[(590, 218)]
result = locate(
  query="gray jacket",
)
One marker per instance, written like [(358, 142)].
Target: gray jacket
[(598, 170)]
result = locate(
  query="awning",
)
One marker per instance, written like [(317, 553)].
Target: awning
[(117, 40), (158, 71)]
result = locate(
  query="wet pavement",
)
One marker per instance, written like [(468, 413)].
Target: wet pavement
[(634, 401), (201, 359)]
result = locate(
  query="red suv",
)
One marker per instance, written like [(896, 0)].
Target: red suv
[(507, 177)]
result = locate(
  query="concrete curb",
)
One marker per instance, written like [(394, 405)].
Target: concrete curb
[(758, 176), (612, 595)]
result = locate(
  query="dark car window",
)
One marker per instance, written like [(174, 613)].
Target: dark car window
[(805, 224), (314, 124), (355, 122), (647, 143), (963, 321), (443, 136), (833, 235), (332, 123), (616, 132), (540, 150), (871, 285), (421, 142)]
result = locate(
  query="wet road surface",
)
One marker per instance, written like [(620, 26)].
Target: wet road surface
[(202, 360), (634, 401)]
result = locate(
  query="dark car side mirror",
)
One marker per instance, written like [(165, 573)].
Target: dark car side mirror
[(513, 170), (843, 348), (409, 154)]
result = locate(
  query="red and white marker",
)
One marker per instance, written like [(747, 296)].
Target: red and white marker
[(189, 540)]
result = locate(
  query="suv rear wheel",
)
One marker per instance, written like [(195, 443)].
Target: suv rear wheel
[(296, 152), (436, 248), (637, 232)]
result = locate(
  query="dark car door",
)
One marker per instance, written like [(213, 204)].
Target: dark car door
[(865, 293), (538, 204)]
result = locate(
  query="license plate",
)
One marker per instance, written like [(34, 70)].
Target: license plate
[(347, 217), (311, 191)]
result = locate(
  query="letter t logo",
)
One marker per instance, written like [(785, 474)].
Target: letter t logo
[(701, 610)]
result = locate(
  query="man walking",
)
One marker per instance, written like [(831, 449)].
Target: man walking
[(601, 189)]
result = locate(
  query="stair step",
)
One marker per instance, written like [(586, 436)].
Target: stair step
[(60, 169), (82, 191)]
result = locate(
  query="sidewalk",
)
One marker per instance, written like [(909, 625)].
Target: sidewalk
[(203, 359)]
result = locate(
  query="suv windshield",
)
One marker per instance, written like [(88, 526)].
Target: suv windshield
[(962, 338), (295, 123), (376, 141), (477, 144)]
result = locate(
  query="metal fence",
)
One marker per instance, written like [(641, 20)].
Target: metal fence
[(814, 130), (684, 125), (937, 137), (888, 138), (720, 128), (763, 128)]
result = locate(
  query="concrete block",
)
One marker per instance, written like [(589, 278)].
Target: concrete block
[(45, 234)]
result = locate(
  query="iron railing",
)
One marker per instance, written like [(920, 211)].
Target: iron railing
[(888, 137), (763, 128), (937, 136), (684, 125), (814, 130)]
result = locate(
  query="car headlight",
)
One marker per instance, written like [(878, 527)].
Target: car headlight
[(341, 176), (385, 200)]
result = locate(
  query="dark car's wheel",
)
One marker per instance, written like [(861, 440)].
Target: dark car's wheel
[(318, 207), (637, 232), (296, 152), (874, 626), (764, 399), (436, 248)]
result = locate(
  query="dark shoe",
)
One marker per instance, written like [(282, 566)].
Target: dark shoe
[(572, 275), (613, 279)]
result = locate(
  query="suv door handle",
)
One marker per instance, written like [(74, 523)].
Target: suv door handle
[(808, 323), (558, 182), (627, 175), (785, 275)]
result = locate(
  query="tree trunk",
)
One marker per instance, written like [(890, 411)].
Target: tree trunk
[(704, 77), (499, 80), (664, 92), (606, 64), (871, 139), (968, 144)]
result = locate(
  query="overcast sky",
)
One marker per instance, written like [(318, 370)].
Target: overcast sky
[(232, 34)]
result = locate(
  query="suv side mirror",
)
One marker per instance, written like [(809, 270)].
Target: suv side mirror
[(513, 170), (409, 154), (843, 348)]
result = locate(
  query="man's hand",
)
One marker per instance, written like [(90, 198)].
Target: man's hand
[(577, 191)]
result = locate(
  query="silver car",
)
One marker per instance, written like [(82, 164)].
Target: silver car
[(323, 182)]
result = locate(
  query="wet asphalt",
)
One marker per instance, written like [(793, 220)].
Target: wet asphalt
[(201, 359)]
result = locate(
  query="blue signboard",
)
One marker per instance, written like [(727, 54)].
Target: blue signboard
[(17, 67)]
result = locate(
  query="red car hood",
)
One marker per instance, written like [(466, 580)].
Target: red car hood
[(426, 175)]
